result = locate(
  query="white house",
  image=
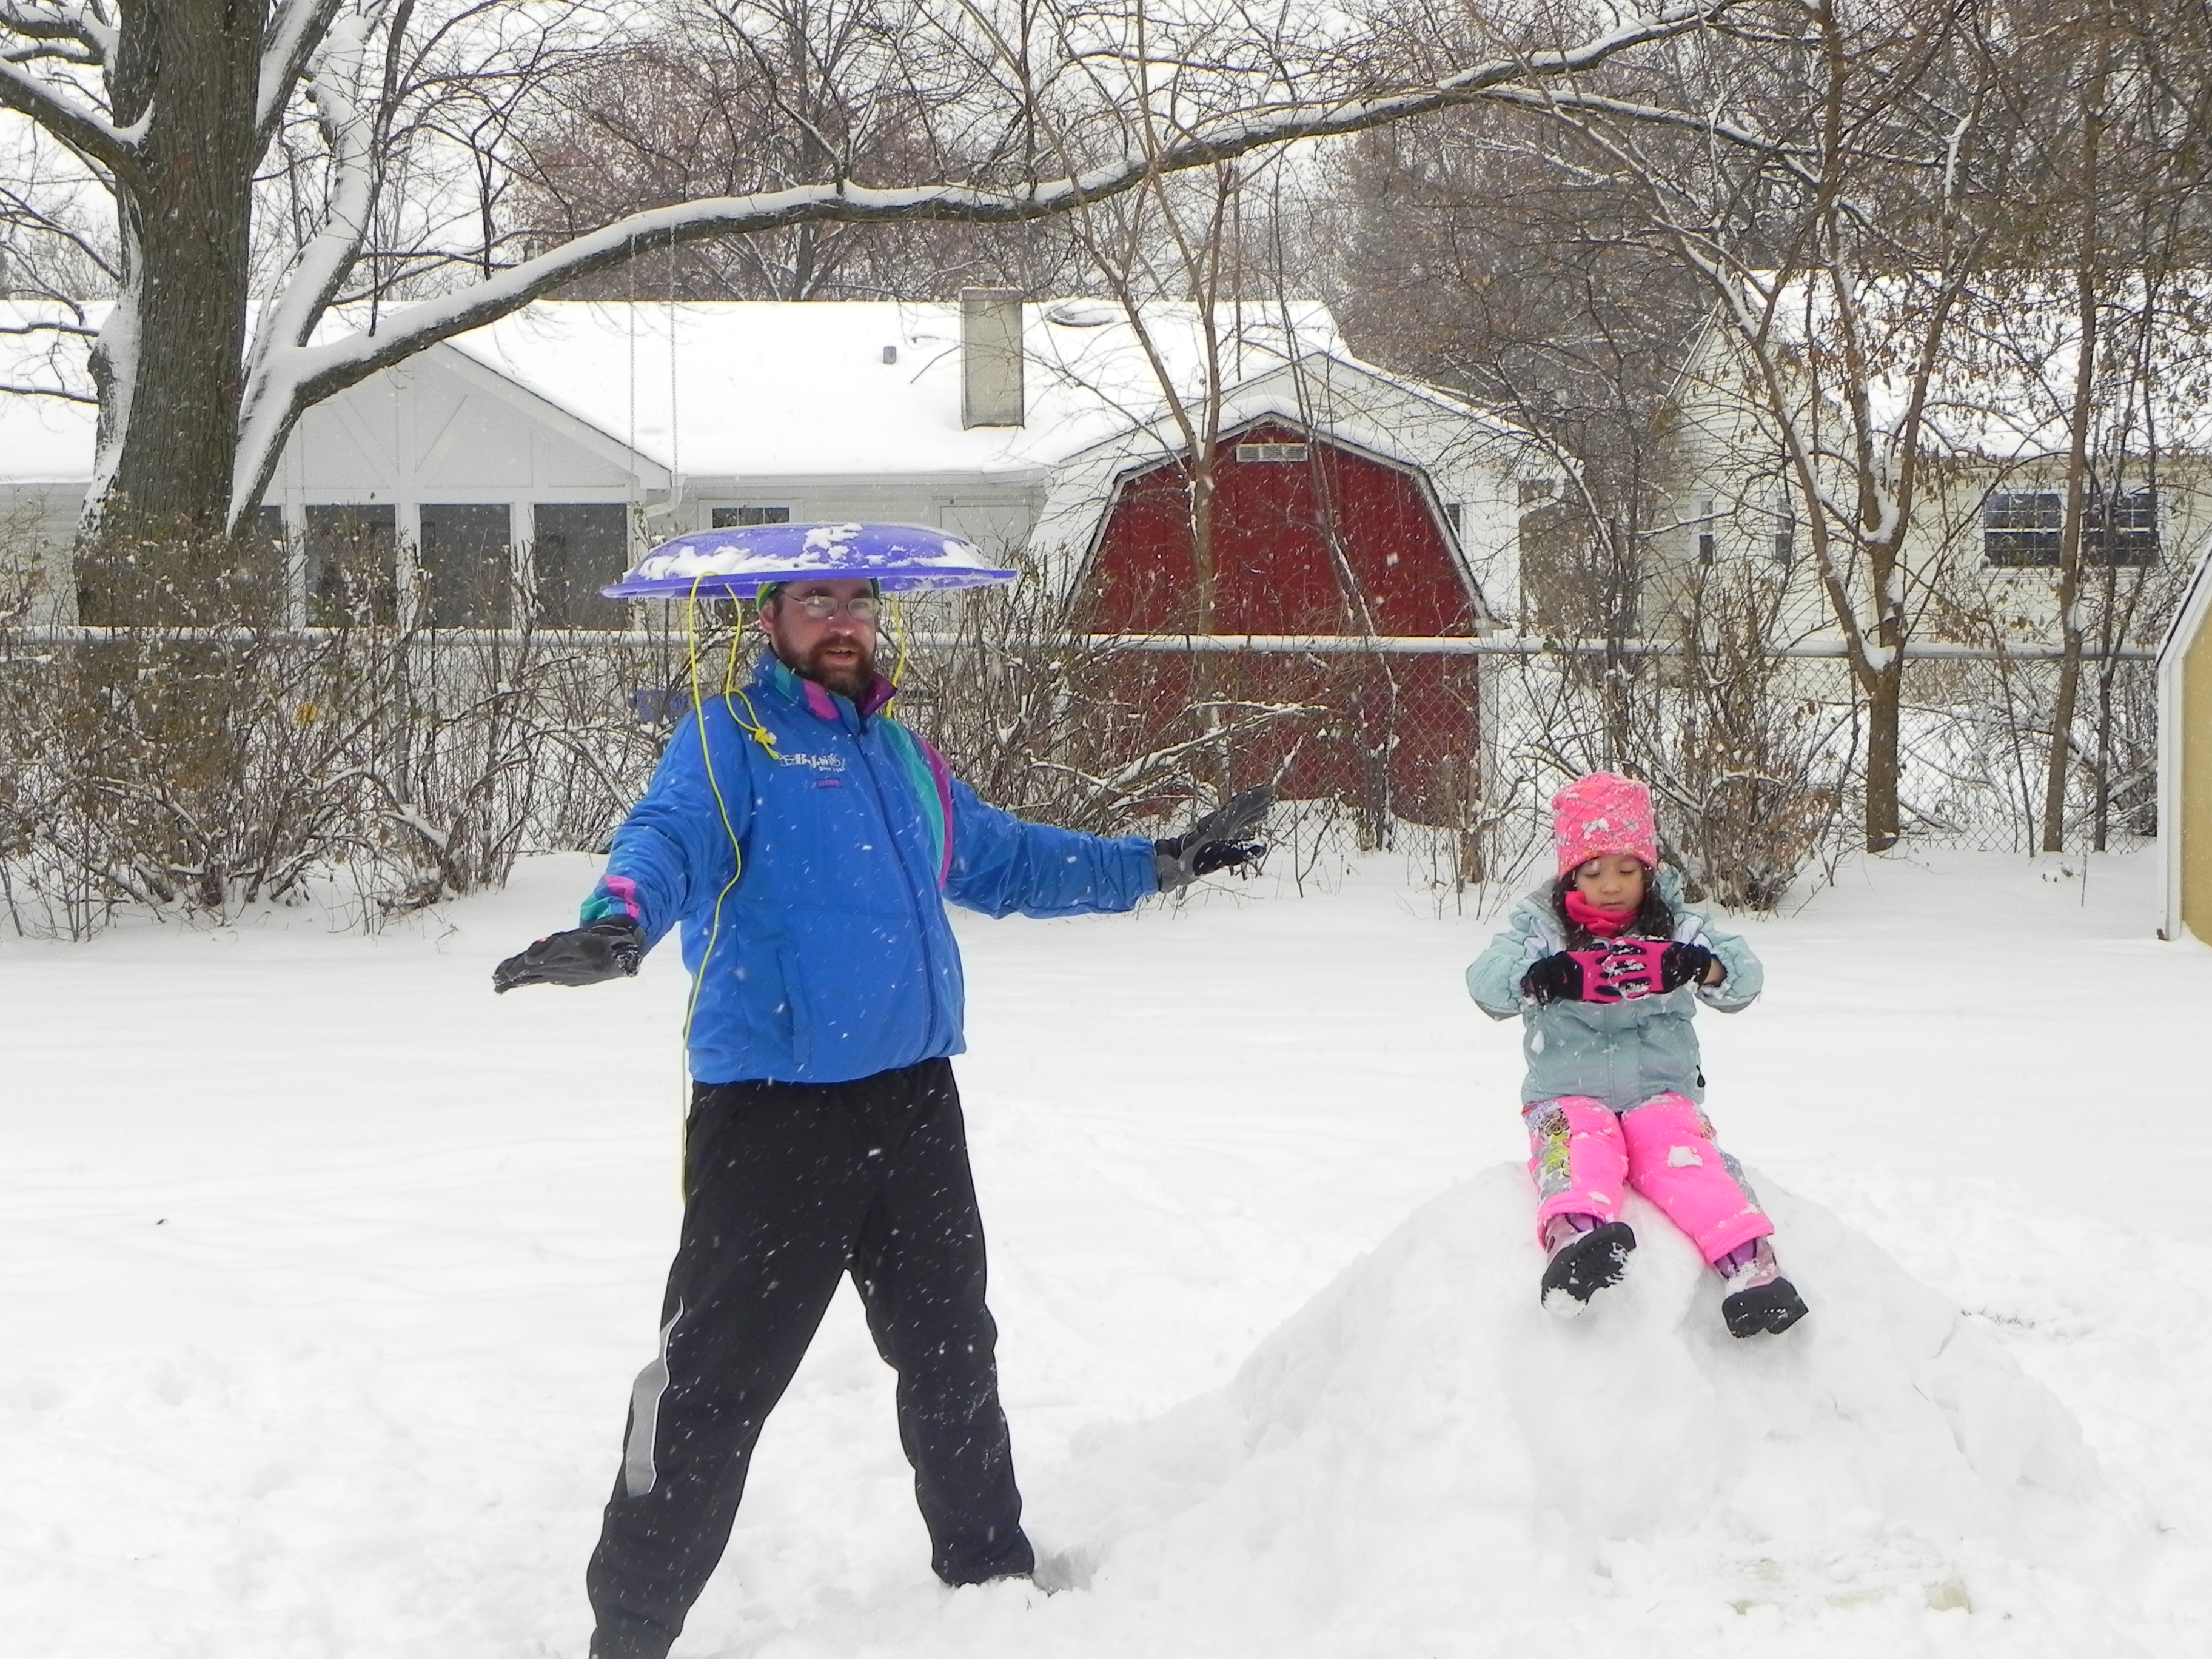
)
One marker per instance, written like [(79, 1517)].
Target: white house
[(1983, 542), (537, 454)]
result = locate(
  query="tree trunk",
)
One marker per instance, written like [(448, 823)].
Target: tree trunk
[(1881, 674), (170, 363), (2073, 535), (1884, 813)]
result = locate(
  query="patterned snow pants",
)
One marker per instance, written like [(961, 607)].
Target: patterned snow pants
[(1583, 1154)]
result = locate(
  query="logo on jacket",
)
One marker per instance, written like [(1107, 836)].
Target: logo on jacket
[(815, 763)]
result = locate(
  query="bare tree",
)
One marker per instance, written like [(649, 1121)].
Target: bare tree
[(1174, 238), (2111, 121), (1474, 257), (732, 100), (175, 107), (1836, 214)]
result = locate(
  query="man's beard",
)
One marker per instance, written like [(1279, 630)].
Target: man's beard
[(846, 679)]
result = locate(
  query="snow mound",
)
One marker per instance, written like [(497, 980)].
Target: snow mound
[(1423, 1460)]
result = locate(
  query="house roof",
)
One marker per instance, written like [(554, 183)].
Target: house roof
[(2191, 614), (802, 390), (757, 390)]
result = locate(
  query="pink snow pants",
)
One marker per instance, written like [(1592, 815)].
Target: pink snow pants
[(1581, 1152)]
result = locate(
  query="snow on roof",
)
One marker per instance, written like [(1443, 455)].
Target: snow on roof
[(803, 389), (757, 390), (2004, 383)]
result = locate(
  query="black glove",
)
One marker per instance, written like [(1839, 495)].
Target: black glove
[(1684, 964), (1555, 978), (1215, 841), (582, 955)]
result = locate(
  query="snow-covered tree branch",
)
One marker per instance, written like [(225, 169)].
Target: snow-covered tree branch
[(393, 120)]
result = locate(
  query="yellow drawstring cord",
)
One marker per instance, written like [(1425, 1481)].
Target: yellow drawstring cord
[(759, 731), (766, 739)]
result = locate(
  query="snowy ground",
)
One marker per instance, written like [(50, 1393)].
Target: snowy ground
[(324, 1275)]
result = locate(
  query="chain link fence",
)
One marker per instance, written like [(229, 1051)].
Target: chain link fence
[(203, 771), (1448, 751), (1758, 768)]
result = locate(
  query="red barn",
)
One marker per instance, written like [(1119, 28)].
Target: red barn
[(1343, 504)]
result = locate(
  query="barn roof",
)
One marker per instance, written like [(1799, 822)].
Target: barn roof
[(1460, 452)]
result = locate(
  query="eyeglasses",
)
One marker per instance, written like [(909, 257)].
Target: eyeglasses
[(861, 607)]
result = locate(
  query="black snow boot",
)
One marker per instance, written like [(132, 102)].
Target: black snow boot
[(1773, 1307), (1584, 1263), (1758, 1299)]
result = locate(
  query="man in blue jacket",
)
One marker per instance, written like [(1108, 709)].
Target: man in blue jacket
[(807, 842)]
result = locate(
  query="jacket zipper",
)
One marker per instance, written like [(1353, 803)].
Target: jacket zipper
[(898, 853)]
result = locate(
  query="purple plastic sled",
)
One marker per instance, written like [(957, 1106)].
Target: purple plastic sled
[(738, 562)]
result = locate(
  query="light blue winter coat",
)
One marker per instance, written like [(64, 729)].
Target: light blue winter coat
[(1620, 1052)]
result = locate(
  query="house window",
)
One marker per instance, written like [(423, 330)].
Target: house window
[(467, 564), (575, 550), (1707, 545), (2020, 527), (2024, 527), (1272, 452), (732, 518), (2123, 529), (350, 571), (1782, 515)]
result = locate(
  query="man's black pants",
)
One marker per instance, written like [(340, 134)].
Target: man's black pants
[(788, 1187)]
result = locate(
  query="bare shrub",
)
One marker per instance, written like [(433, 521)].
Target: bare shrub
[(1748, 766), (1066, 727), (198, 769), (1748, 753)]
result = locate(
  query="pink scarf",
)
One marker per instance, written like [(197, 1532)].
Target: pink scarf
[(1603, 924)]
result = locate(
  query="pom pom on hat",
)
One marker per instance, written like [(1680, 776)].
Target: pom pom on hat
[(1597, 816)]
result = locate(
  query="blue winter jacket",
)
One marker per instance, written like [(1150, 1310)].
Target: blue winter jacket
[(819, 945)]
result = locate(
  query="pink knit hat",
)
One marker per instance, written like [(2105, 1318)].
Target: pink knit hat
[(1602, 814)]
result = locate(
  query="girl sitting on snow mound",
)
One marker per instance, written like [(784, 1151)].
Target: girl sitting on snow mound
[(1605, 968)]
